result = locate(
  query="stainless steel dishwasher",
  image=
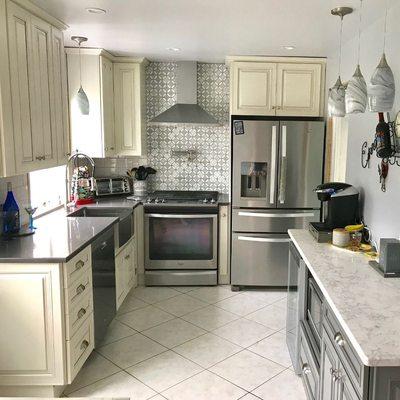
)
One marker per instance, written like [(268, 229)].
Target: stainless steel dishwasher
[(104, 293)]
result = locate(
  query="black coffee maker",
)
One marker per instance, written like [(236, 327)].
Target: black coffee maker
[(340, 205)]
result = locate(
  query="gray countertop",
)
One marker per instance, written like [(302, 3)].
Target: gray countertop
[(366, 304)]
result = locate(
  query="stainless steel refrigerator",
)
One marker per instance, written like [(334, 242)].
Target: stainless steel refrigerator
[(276, 164)]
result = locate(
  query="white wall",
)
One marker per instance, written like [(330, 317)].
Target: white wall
[(381, 210)]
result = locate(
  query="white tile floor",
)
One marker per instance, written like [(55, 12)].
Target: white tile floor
[(189, 343)]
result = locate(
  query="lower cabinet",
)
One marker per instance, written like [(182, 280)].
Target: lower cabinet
[(125, 271), (47, 326)]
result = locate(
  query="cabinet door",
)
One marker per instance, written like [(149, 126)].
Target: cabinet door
[(27, 146), (31, 334), (299, 89), (254, 88), (130, 266), (60, 99), (120, 277), (346, 389), (46, 141), (107, 104), (328, 370), (128, 129)]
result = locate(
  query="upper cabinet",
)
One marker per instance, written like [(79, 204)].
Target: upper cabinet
[(115, 124), (34, 123), (282, 86)]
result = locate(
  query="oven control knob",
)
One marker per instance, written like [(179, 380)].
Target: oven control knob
[(156, 200), (163, 201), (205, 201), (212, 201)]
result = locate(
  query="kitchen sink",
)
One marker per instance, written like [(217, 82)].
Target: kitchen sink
[(124, 215)]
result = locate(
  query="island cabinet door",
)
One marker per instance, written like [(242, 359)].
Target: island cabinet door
[(346, 389), (329, 370), (31, 336)]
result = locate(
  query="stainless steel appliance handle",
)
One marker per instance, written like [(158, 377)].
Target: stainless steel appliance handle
[(275, 215), (262, 239), (182, 215), (283, 168), (273, 166)]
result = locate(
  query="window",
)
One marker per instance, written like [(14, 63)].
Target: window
[(47, 189)]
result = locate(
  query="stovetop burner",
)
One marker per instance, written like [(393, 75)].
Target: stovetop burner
[(183, 196)]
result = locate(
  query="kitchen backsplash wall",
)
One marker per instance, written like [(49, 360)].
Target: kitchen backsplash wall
[(208, 167), (116, 166)]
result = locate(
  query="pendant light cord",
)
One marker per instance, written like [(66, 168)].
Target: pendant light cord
[(359, 33), (385, 28), (80, 65), (340, 45)]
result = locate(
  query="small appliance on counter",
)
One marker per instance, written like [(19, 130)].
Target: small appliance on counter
[(340, 208), (111, 185), (389, 258)]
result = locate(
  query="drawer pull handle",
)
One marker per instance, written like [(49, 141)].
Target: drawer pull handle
[(81, 313), (80, 289), (339, 339), (84, 345), (79, 265), (306, 369), (103, 246), (127, 257)]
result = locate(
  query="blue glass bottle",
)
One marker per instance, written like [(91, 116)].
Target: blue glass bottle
[(11, 220)]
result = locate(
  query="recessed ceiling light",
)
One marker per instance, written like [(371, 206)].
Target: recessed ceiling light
[(289, 47), (176, 49), (95, 10)]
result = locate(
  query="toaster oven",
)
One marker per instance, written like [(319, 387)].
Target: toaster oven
[(112, 185)]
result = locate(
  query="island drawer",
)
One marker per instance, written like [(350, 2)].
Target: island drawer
[(309, 366), (78, 290), (79, 347), (352, 363), (79, 313), (75, 266)]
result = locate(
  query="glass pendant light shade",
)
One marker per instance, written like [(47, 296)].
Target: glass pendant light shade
[(356, 93), (381, 88), (82, 101), (336, 100)]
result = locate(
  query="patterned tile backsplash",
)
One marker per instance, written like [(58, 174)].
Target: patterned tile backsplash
[(208, 167)]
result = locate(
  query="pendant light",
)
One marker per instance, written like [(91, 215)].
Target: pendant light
[(81, 98), (356, 91), (382, 87), (336, 98)]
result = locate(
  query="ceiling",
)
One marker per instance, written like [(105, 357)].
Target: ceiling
[(208, 30)]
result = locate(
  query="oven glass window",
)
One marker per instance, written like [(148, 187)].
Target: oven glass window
[(181, 238)]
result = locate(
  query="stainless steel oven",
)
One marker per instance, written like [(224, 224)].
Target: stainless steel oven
[(181, 241)]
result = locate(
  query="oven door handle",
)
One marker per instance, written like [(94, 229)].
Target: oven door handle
[(262, 239), (182, 215)]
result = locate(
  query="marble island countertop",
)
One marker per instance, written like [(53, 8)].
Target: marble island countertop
[(366, 304)]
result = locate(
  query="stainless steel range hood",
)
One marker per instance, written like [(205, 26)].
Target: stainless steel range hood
[(186, 111)]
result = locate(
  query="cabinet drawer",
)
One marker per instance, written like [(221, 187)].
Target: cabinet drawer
[(76, 291), (309, 367), (353, 365), (74, 267), (79, 313), (79, 347)]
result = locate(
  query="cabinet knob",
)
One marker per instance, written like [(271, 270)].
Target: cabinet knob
[(79, 264), (111, 148), (273, 107), (306, 369), (81, 288), (81, 313), (339, 339), (127, 257), (84, 345)]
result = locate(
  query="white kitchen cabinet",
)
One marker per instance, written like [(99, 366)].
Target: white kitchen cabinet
[(47, 329), (298, 89), (254, 88), (129, 102), (224, 245), (31, 334), (125, 271), (277, 86), (31, 82)]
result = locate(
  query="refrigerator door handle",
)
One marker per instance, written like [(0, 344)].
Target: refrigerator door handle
[(283, 168), (276, 215), (263, 239), (273, 167)]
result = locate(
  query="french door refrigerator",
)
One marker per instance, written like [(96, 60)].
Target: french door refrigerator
[(276, 165)]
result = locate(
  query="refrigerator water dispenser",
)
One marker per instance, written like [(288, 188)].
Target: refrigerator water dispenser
[(254, 179)]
